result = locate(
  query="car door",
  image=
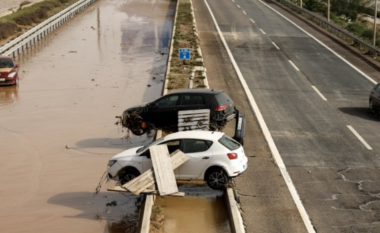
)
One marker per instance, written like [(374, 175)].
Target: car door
[(164, 111), (199, 154)]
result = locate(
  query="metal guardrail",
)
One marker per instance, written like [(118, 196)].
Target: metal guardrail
[(23, 42), (333, 28)]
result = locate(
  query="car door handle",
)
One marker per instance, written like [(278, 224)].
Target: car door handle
[(206, 157)]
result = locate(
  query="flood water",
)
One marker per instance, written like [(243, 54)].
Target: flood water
[(57, 128), (194, 214)]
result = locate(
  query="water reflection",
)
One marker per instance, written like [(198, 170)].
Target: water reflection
[(8, 94)]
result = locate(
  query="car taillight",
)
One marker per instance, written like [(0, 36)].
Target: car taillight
[(221, 108), (232, 155)]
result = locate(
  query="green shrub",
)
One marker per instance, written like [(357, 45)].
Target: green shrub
[(8, 29), (356, 28)]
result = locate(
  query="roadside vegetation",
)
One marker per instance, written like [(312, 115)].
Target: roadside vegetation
[(185, 36), (24, 18), (354, 16)]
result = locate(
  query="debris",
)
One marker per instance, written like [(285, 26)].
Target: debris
[(67, 147)]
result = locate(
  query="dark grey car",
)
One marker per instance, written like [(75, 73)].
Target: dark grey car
[(163, 112), (374, 99)]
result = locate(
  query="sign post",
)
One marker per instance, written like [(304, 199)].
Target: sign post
[(184, 54)]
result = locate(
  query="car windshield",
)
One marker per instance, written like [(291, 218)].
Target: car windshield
[(150, 144), (6, 63), (229, 143)]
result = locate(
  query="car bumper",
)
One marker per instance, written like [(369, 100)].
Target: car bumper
[(7, 82)]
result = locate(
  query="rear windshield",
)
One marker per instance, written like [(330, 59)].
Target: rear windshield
[(229, 143), (224, 99)]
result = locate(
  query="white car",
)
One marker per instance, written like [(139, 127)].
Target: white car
[(214, 157)]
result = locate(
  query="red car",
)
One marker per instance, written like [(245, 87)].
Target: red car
[(8, 71)]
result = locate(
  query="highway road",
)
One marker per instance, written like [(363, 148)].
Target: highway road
[(314, 104)]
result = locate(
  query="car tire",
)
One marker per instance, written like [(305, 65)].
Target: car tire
[(128, 174), (138, 131), (216, 178)]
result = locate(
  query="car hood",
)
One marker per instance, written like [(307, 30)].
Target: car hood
[(127, 153), (135, 108), (5, 70)]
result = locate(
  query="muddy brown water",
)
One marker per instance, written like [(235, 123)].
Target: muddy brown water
[(57, 128), (201, 210)]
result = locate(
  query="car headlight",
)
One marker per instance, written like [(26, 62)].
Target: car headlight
[(11, 75), (111, 163)]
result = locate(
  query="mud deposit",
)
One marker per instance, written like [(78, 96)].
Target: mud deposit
[(194, 214)]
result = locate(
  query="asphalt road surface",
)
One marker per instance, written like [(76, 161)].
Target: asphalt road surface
[(312, 102)]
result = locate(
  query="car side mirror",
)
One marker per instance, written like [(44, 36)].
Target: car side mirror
[(17, 66)]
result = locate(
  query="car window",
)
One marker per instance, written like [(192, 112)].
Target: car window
[(167, 101), (6, 63), (195, 145), (229, 143), (150, 144), (172, 145), (188, 99), (377, 87)]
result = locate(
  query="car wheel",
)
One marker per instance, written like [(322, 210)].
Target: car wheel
[(138, 131), (128, 174), (216, 178)]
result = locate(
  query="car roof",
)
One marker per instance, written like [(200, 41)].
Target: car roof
[(6, 57), (198, 90), (195, 134)]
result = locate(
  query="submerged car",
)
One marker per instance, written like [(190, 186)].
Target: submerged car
[(374, 99), (163, 112), (214, 157), (8, 71)]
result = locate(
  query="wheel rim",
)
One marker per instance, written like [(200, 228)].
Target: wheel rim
[(127, 177), (217, 180)]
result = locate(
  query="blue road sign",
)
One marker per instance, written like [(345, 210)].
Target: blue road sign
[(184, 53)]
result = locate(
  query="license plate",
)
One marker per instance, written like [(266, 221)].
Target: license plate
[(2, 79)]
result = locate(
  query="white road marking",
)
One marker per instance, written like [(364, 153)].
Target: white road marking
[(262, 31), (252, 20), (233, 0), (295, 67), (238, 6), (268, 137), (359, 137), (244, 13), (332, 51), (319, 93), (275, 46)]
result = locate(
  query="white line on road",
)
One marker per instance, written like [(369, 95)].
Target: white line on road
[(233, 0), (328, 48), (268, 137), (295, 67), (244, 13), (238, 6), (319, 93), (359, 137), (275, 46), (262, 31), (252, 20)]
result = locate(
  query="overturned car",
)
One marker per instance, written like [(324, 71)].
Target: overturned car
[(163, 113)]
